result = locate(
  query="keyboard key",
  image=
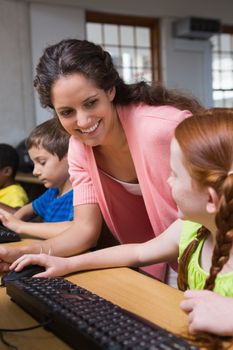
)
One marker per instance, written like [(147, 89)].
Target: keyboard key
[(7, 235), (86, 321)]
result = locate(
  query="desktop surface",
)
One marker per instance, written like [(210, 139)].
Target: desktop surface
[(32, 185), (28, 178), (129, 289), (125, 287), (87, 321)]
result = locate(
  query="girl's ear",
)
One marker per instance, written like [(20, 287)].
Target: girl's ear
[(213, 200)]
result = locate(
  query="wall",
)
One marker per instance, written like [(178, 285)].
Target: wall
[(186, 64), (221, 9), (49, 25), (25, 29), (16, 96)]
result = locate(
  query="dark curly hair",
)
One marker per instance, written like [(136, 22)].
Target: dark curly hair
[(9, 157), (81, 56)]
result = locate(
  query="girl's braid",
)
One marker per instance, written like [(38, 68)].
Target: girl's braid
[(224, 234), (182, 279)]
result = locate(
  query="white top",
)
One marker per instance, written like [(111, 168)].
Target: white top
[(129, 187)]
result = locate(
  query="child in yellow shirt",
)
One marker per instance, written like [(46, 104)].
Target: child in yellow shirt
[(12, 194)]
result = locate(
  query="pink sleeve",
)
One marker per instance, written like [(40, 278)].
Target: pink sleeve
[(82, 184)]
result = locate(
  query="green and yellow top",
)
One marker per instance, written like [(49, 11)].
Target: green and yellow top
[(196, 275)]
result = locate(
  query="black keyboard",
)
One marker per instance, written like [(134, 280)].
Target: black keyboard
[(6, 235), (86, 321)]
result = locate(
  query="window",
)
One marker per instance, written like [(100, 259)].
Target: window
[(222, 68), (131, 41)]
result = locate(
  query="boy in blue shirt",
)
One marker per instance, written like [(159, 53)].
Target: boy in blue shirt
[(47, 146)]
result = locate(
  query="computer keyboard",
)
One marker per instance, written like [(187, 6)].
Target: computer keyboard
[(86, 321), (7, 235)]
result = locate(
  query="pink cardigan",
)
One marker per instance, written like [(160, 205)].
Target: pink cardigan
[(131, 218)]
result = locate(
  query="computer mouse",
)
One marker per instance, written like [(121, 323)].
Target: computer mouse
[(27, 271)]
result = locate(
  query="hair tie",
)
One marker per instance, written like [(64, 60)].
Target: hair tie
[(230, 172)]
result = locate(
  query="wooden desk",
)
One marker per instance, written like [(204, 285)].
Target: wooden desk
[(28, 178), (32, 185), (129, 289), (125, 287)]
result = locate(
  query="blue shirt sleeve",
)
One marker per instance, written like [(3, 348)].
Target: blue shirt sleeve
[(40, 204), (53, 208)]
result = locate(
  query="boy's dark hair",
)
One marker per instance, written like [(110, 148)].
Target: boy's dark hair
[(51, 137), (9, 157)]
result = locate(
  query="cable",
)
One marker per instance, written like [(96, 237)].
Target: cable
[(4, 341), (11, 346), (24, 329)]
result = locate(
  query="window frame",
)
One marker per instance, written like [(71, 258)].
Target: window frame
[(151, 23), (226, 29)]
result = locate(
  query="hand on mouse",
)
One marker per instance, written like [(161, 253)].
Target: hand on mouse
[(55, 266)]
